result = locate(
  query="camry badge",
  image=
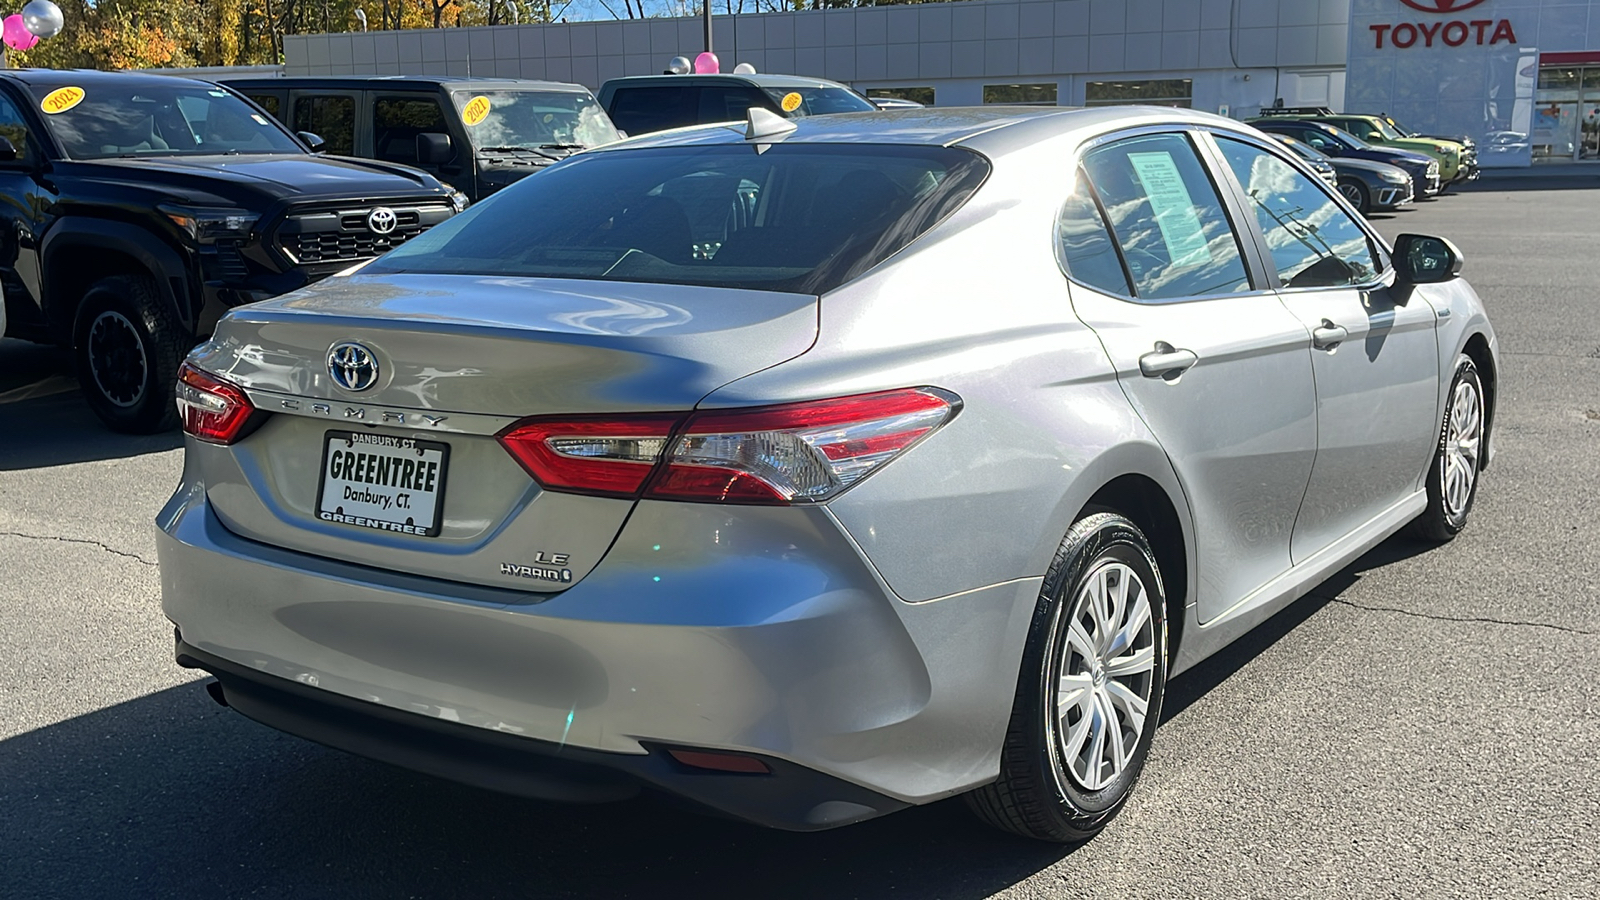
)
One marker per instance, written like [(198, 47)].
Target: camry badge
[(352, 366), (382, 220)]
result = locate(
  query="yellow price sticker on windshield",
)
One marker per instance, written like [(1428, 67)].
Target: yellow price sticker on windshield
[(791, 101), (476, 110), (61, 99)]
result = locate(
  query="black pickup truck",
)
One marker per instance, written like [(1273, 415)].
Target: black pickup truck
[(135, 209)]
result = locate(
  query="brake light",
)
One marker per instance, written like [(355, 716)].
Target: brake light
[(212, 410), (590, 454), (796, 453)]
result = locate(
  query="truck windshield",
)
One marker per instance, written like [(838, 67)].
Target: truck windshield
[(799, 217), (109, 120), (534, 120), (819, 101)]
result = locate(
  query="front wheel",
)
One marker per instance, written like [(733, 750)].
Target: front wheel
[(1089, 695), (1457, 459), (1357, 193), (127, 348)]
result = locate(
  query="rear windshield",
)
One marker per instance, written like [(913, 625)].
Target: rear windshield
[(799, 217)]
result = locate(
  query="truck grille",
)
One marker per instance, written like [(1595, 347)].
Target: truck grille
[(341, 235)]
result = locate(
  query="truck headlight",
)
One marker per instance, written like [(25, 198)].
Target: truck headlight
[(206, 226)]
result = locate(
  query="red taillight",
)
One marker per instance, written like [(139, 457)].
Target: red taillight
[(589, 454), (212, 410), (795, 453)]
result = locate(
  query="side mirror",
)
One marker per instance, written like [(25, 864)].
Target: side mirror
[(433, 147), (1422, 259), (1374, 136), (314, 141), (8, 150)]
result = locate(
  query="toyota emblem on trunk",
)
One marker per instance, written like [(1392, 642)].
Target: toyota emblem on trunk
[(382, 220), (352, 366)]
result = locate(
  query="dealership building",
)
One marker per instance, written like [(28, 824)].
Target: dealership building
[(1522, 77)]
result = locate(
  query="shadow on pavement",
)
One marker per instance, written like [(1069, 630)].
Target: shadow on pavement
[(1562, 182), (1185, 689), (169, 795), (61, 429)]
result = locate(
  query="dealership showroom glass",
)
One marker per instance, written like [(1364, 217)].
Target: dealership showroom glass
[(1520, 77)]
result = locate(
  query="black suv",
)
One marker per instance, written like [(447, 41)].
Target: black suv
[(138, 208), (641, 104), (477, 134)]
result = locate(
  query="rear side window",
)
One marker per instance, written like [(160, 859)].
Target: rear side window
[(268, 102), (801, 218), (1168, 220), (332, 118), (1313, 242), (643, 110), (1086, 245), (728, 103), (396, 122)]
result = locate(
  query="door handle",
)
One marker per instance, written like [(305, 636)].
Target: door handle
[(1328, 336), (1166, 362)]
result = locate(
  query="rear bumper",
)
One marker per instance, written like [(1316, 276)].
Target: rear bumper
[(756, 631), (790, 797)]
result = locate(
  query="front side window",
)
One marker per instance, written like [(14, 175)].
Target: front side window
[(176, 119), (1312, 241), (729, 103), (332, 118), (396, 122), (14, 128), (801, 218), (1167, 217), (644, 110)]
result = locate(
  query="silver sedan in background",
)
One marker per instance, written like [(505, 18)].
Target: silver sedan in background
[(812, 469)]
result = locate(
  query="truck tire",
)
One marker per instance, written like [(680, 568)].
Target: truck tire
[(127, 346)]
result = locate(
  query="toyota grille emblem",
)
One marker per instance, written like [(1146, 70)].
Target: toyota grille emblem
[(1441, 6), (382, 220), (352, 366)]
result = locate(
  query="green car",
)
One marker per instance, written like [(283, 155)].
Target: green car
[(1374, 130)]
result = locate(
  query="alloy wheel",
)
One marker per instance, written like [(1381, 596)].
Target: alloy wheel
[(1458, 464), (1105, 677), (117, 358)]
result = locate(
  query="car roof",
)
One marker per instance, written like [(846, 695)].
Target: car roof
[(990, 129), (87, 78), (448, 82), (758, 79)]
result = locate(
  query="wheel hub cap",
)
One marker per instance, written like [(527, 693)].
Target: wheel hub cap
[(1458, 464), (116, 358), (1104, 677)]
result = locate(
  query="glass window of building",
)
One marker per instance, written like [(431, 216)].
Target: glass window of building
[(1024, 94), (1176, 92), (923, 95)]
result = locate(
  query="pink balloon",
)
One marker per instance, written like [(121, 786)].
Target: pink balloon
[(16, 33), (704, 64)]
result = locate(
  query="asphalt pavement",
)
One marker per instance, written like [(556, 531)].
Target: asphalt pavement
[(1424, 724)]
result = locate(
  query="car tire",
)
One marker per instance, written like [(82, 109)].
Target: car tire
[(1357, 193), (127, 346), (1060, 779), (1452, 479)]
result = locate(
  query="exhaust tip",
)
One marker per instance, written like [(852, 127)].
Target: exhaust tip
[(214, 688)]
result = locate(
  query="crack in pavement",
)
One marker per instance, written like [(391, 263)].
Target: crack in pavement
[(1467, 620), (66, 540)]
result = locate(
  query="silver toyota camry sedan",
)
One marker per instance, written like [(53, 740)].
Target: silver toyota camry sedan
[(808, 470)]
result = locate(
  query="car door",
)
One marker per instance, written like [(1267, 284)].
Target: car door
[(1373, 349), (27, 207), (1204, 350)]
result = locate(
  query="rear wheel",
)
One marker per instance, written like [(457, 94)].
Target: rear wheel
[(1357, 193), (1453, 476), (127, 347), (1089, 696)]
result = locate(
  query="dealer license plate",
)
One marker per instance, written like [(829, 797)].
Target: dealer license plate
[(383, 482)]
